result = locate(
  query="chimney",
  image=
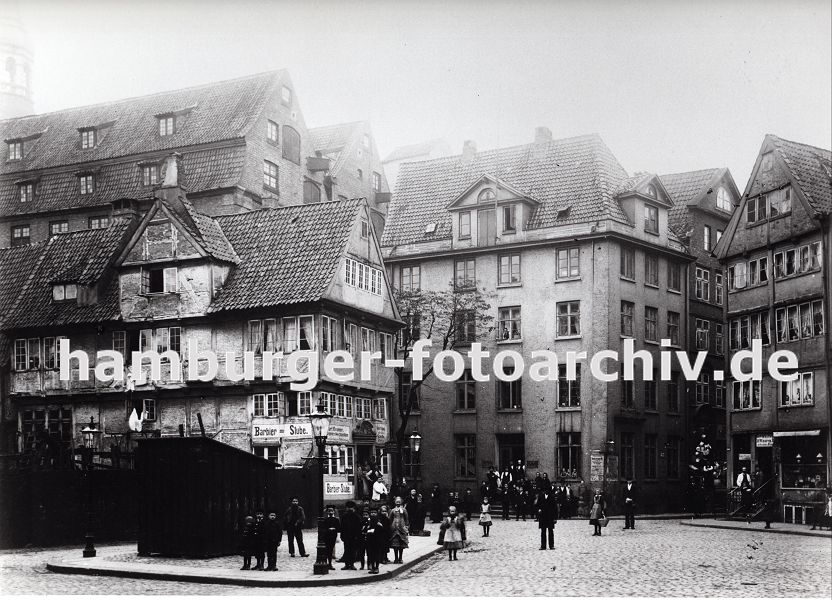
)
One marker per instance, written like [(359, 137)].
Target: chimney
[(542, 135), (469, 149), (171, 169)]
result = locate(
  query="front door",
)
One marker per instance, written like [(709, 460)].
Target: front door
[(486, 227), (512, 447)]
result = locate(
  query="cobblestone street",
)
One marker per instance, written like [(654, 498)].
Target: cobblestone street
[(659, 558)]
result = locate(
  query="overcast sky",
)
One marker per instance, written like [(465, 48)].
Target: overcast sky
[(670, 86)]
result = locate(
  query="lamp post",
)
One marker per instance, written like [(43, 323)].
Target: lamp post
[(320, 429), (609, 448), (90, 434), (415, 445)]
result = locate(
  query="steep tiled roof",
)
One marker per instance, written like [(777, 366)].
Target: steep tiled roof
[(287, 255), (16, 264), (332, 137), (811, 167), (208, 232), (685, 189), (578, 172), (412, 150), (80, 257), (59, 190), (213, 112)]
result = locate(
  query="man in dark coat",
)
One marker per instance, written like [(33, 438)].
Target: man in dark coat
[(547, 516), (436, 504), (247, 542), (259, 546), (629, 498), (331, 528), (350, 532), (272, 539), (293, 522), (468, 503)]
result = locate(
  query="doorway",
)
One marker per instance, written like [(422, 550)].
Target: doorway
[(486, 227), (511, 448)]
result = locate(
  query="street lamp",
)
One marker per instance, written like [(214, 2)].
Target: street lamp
[(609, 448), (415, 445), (90, 435), (320, 429)]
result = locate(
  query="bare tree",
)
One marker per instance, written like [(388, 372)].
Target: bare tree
[(449, 318)]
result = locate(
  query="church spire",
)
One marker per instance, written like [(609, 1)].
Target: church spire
[(15, 65)]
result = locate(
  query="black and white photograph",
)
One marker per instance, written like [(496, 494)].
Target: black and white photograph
[(417, 298)]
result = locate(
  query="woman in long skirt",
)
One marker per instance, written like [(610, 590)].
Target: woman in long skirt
[(454, 527), (399, 523), (597, 512)]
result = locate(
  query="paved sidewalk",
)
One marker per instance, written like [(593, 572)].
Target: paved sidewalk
[(122, 561), (788, 528)]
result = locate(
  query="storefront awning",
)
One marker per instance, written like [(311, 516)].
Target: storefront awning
[(796, 433)]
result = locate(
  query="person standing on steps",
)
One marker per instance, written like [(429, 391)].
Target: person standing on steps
[(547, 516), (629, 498), (293, 522), (746, 492)]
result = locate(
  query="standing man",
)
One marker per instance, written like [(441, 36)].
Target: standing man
[(547, 516), (259, 539), (332, 526), (293, 520), (746, 489), (350, 532), (274, 534), (629, 496)]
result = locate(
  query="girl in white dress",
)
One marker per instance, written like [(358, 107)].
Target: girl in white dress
[(485, 516)]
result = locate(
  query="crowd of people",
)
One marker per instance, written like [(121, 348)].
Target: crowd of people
[(386, 520)]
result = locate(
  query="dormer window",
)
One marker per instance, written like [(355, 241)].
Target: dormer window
[(88, 138), (487, 195), (465, 225), (723, 200), (15, 150), (286, 96), (150, 174), (509, 219), (86, 183), (64, 291), (651, 218), (27, 191), (167, 125)]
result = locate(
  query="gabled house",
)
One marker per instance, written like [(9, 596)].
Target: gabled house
[(703, 202), (352, 168), (776, 253), (575, 256), (166, 277), (242, 145)]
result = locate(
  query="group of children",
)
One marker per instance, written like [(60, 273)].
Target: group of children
[(367, 537)]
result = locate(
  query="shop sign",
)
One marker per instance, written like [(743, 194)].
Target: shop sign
[(264, 431), (765, 441), (596, 467), (744, 456), (381, 433), (339, 434), (334, 489)]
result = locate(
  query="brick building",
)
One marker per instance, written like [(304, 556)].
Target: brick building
[(576, 256), (163, 276), (703, 202), (776, 253)]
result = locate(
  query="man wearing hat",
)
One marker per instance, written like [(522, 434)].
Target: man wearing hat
[(350, 532), (629, 497), (331, 528)]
